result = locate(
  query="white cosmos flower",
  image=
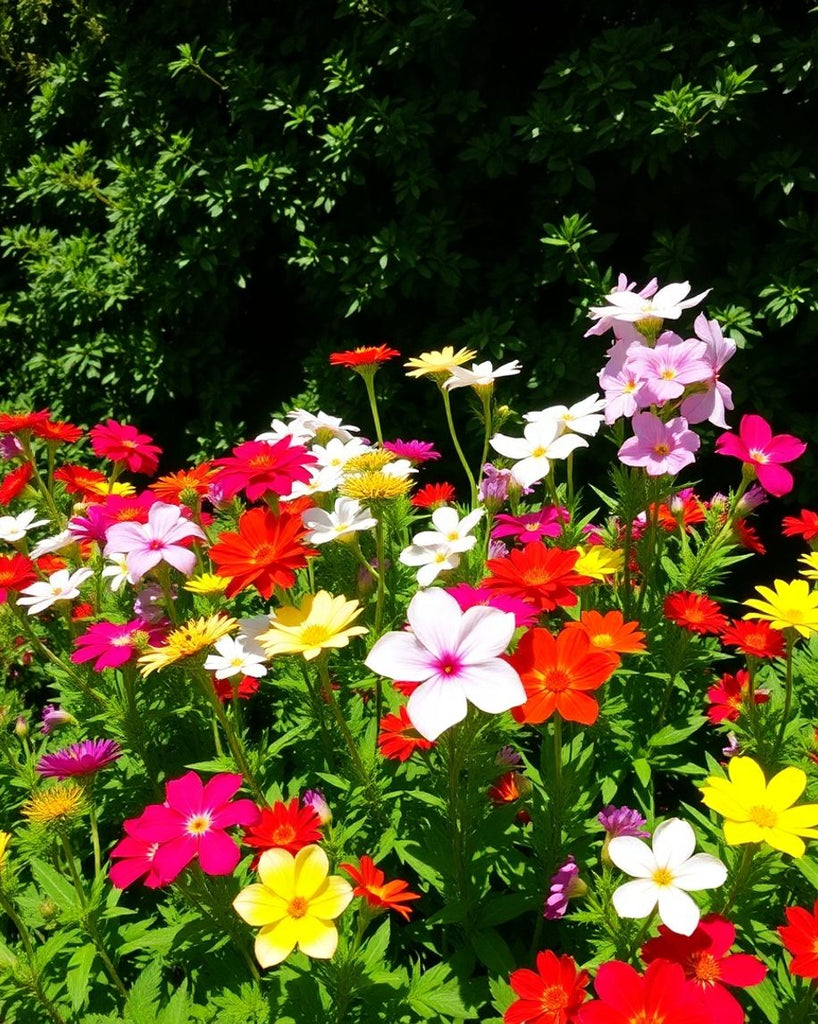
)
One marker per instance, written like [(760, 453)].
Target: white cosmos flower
[(56, 543), (455, 656), (345, 519), (533, 453), (321, 481), (310, 424), (432, 560), (233, 660), (117, 572), (481, 375), (14, 528), (667, 304), (664, 875), (337, 453), (583, 417), (60, 586), (450, 529)]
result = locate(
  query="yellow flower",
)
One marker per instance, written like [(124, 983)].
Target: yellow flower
[(789, 605), (597, 561), (757, 811), (811, 563), (54, 805), (438, 364), (119, 488), (5, 839), (186, 641), (294, 904), (207, 583), (369, 461), (322, 621), (374, 486)]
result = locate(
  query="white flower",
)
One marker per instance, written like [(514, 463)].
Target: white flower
[(533, 453), (56, 543), (666, 304), (346, 518), (321, 481), (309, 424), (481, 375), (337, 453), (583, 417), (433, 559), (250, 629), (14, 528), (117, 572), (401, 468), (60, 586), (450, 530), (234, 660), (664, 875)]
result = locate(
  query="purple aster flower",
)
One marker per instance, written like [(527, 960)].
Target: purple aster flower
[(315, 799), (53, 718), (467, 597), (494, 487), (733, 747), (497, 549), (84, 758), (415, 451), (565, 884), (751, 499), (532, 526), (622, 821), (10, 447), (508, 756), (659, 447), (148, 602)]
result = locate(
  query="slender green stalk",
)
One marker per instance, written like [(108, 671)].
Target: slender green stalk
[(355, 757), (41, 486), (28, 946), (557, 794), (92, 811), (41, 648), (485, 397), (369, 381), (447, 405), (641, 935), (785, 716), (742, 875), (318, 705), (233, 739), (380, 554), (454, 814)]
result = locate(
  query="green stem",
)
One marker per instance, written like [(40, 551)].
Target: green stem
[(447, 405), (380, 554), (28, 946), (233, 740), (557, 794), (323, 672), (92, 809), (641, 935), (202, 901), (455, 817), (742, 875), (790, 635), (41, 487), (369, 381), (487, 421), (40, 647), (318, 705)]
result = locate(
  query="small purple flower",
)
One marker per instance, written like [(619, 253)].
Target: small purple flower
[(148, 603), (733, 747), (494, 486), (622, 821), (10, 447), (497, 549), (752, 498), (565, 884), (85, 758), (315, 799), (508, 756), (53, 718), (415, 451), (659, 447)]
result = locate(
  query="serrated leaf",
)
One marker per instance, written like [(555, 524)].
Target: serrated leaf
[(54, 885), (79, 970)]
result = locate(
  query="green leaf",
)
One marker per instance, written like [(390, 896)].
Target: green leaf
[(59, 889), (375, 947), (642, 769), (676, 733), (140, 1007), (809, 869), (79, 970), (765, 998)]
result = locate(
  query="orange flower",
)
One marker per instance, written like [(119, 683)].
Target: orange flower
[(364, 356), (382, 895), (539, 575), (57, 430), (14, 482), (398, 738), (88, 483), (194, 481), (610, 632), (556, 673), (694, 612)]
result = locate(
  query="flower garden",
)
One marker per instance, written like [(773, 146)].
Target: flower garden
[(298, 733)]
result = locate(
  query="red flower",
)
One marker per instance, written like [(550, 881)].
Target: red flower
[(258, 468), (748, 537), (398, 739), (433, 496), (16, 572), (539, 575), (264, 553), (552, 994), (695, 612), (14, 482), (610, 632), (194, 481), (120, 442), (755, 638), (662, 994), (800, 937), (364, 356), (805, 525), (370, 882), (17, 422), (54, 430), (557, 672), (90, 484), (685, 509), (727, 695), (248, 685), (284, 826), (82, 611), (704, 958)]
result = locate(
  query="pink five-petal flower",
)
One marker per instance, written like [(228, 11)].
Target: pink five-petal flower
[(137, 859), (659, 447), (455, 656), (113, 643), (669, 367), (145, 545), (711, 403), (756, 446), (191, 823)]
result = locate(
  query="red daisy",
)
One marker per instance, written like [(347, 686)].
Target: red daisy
[(755, 638), (662, 994), (538, 575), (284, 826), (552, 994), (800, 937), (366, 356), (121, 442), (694, 612), (264, 553), (727, 696), (55, 430), (684, 510), (398, 739), (805, 525), (16, 572), (433, 496), (225, 691), (87, 483), (14, 483), (258, 468), (17, 422), (370, 882)]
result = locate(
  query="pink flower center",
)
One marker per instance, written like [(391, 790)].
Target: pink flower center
[(448, 664), (198, 824), (156, 545)]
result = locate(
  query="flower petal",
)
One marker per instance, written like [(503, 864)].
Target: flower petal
[(311, 870), (332, 900), (632, 856), (436, 706), (258, 905), (678, 911), (673, 843), (275, 942), (784, 788), (276, 869), (635, 899), (317, 938), (700, 872)]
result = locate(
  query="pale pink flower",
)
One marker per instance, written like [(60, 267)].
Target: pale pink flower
[(711, 403), (667, 304), (659, 447), (145, 545), (667, 369)]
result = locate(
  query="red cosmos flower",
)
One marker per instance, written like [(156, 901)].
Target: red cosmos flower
[(800, 937), (704, 958), (55, 430), (805, 525), (47, 564), (16, 572), (610, 632), (363, 357), (17, 422), (370, 882), (661, 994), (727, 695), (694, 612), (557, 672), (258, 468), (88, 483), (755, 638), (195, 480), (247, 686), (120, 442), (433, 496), (552, 994), (684, 508), (398, 739), (14, 482), (763, 453), (264, 553), (284, 826), (539, 575)]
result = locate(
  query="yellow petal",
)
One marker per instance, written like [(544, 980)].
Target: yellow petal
[(331, 899), (748, 778), (275, 942), (720, 796), (785, 788), (784, 841), (258, 905), (738, 832), (276, 869), (311, 869), (317, 938), (799, 819)]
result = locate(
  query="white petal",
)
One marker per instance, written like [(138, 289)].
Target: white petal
[(398, 655), (530, 471), (436, 706), (435, 618), (492, 686), (632, 856), (635, 899), (673, 843), (485, 632), (511, 447), (678, 911), (700, 872)]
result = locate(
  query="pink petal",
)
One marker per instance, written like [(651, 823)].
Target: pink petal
[(218, 854), (784, 448), (485, 632), (220, 789), (185, 794), (435, 618), (755, 431), (180, 558), (775, 479), (240, 812), (173, 857)]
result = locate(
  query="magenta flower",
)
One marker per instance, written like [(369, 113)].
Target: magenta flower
[(564, 884), (53, 718), (415, 451), (114, 643), (622, 821), (191, 823), (659, 447), (470, 597), (161, 539), (137, 860), (763, 453), (84, 758), (98, 518), (532, 526)]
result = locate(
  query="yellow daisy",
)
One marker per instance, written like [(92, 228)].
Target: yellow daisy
[(757, 811), (322, 621), (186, 641), (439, 364), (811, 563), (295, 904), (369, 461), (119, 488), (374, 486), (789, 605), (598, 562), (55, 805), (207, 583)]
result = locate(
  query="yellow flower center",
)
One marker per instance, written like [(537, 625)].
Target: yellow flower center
[(758, 456), (283, 835), (764, 817), (602, 640), (661, 449), (554, 998), (662, 876), (315, 635), (668, 374), (705, 967), (297, 907), (538, 453), (198, 824)]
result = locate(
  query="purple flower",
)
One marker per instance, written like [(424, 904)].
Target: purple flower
[(733, 747), (752, 498), (161, 539), (497, 549), (565, 884), (415, 451), (622, 821), (659, 447), (509, 757), (494, 486), (315, 799), (711, 403), (667, 369), (148, 602), (113, 644), (53, 718), (10, 447), (84, 758)]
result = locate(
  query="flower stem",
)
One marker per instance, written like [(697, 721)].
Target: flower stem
[(28, 946), (641, 935), (202, 901), (447, 405), (790, 635), (742, 875), (233, 740), (355, 757), (369, 381), (454, 814)]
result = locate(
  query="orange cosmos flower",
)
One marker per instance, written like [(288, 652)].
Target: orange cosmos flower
[(195, 481), (610, 632), (16, 572), (557, 672), (694, 612), (16, 422), (370, 882), (57, 430), (539, 575)]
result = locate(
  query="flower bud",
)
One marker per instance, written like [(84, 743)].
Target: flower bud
[(314, 798), (21, 727)]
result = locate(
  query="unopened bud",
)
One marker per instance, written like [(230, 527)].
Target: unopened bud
[(314, 799), (21, 727)]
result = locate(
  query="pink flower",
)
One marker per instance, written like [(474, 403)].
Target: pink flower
[(54, 717), (97, 519), (455, 656), (659, 447), (668, 368), (532, 526), (564, 884), (763, 453), (259, 468), (190, 823), (711, 403), (415, 451), (472, 597), (121, 442), (147, 544), (84, 758), (113, 643)]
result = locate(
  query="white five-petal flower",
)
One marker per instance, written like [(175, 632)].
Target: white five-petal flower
[(346, 518), (583, 417), (450, 529), (14, 528), (542, 442), (481, 375), (233, 660), (666, 304), (60, 586)]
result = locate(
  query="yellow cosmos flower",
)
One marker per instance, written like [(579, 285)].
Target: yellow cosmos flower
[(207, 583), (757, 811), (440, 363), (55, 805), (811, 563), (597, 561), (186, 641), (295, 905), (788, 605), (321, 622), (374, 486), (5, 839), (119, 488)]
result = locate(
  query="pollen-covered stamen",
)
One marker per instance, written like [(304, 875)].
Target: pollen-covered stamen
[(198, 824), (297, 907), (662, 876), (705, 968)]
